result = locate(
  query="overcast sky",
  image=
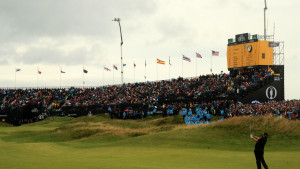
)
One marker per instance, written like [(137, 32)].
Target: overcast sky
[(47, 34)]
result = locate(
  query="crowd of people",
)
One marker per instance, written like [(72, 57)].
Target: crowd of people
[(151, 96), (199, 113)]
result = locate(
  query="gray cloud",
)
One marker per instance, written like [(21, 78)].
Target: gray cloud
[(34, 18), (26, 22), (55, 56), (175, 30), (3, 62)]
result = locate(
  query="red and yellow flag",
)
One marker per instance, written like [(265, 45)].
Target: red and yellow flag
[(160, 62)]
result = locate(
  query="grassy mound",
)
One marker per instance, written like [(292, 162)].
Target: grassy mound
[(59, 129), (229, 134)]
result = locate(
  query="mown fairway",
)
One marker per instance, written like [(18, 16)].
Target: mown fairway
[(99, 142)]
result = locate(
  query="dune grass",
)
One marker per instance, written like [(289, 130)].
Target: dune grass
[(155, 142)]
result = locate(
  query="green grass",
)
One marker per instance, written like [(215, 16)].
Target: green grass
[(99, 142)]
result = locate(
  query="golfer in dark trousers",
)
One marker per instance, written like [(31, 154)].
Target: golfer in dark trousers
[(259, 150)]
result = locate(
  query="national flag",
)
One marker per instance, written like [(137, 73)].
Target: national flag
[(160, 62), (186, 58), (273, 44), (124, 64), (115, 67), (85, 71), (198, 55), (18, 70), (215, 53), (107, 69), (39, 72), (134, 65), (62, 71)]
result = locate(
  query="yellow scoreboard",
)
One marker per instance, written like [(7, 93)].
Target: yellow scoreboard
[(246, 52)]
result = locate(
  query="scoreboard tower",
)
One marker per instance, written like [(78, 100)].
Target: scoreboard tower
[(256, 53)]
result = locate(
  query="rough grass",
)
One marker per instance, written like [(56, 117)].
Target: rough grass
[(83, 127), (260, 124), (230, 134), (59, 129)]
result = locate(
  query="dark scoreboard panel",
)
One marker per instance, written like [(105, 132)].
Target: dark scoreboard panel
[(242, 38)]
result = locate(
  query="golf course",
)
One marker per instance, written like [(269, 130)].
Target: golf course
[(98, 142)]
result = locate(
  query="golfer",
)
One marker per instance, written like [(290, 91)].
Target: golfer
[(259, 150)]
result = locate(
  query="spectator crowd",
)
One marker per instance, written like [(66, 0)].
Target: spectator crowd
[(197, 97)]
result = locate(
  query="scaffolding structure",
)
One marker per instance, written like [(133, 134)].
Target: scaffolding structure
[(278, 49)]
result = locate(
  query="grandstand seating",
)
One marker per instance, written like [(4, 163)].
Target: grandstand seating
[(237, 85)]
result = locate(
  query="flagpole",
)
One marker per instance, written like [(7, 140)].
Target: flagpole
[(103, 77), (196, 66), (83, 77), (60, 77), (15, 78), (37, 78), (182, 67), (145, 71), (169, 68), (134, 72), (113, 75), (211, 64), (156, 71)]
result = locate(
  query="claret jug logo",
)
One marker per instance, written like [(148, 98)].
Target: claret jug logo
[(271, 92)]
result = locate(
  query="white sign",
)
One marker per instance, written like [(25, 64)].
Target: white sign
[(271, 92)]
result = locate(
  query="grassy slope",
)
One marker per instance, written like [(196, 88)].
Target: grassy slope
[(98, 142)]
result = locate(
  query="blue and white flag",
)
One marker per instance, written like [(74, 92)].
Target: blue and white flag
[(186, 58)]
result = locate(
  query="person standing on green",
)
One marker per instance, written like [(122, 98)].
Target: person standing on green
[(259, 150)]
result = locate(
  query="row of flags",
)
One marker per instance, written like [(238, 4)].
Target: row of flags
[(185, 58), (84, 70), (198, 55), (39, 72)]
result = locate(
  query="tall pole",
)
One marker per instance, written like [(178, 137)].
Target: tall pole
[(265, 28), (37, 78), (121, 44), (113, 75), (103, 77), (122, 69), (156, 71), (83, 78), (211, 64), (182, 67), (169, 68), (60, 77), (196, 66), (15, 78), (145, 71), (274, 62)]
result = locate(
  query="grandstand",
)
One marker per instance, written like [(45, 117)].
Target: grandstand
[(256, 73)]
